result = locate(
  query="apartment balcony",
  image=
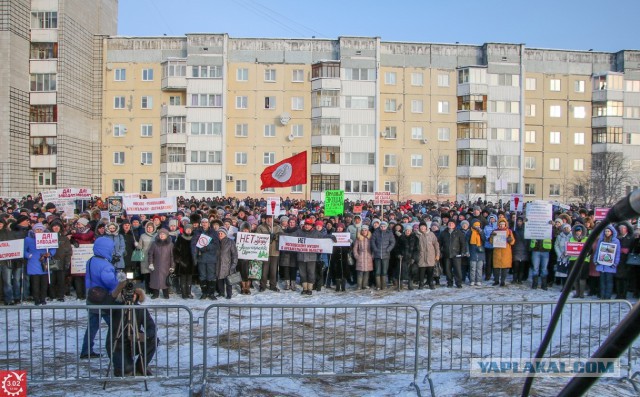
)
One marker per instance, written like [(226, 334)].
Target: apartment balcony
[(466, 116), (326, 112), (173, 139), (172, 168), (325, 84), (43, 129), (325, 169), (42, 66), (471, 89), (325, 140), (42, 98), (47, 161), (472, 144), (606, 121), (607, 95), (174, 83), (44, 35), (471, 172), (173, 111)]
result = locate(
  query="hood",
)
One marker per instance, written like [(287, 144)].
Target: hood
[(109, 225), (155, 229), (613, 230), (494, 217), (579, 226), (103, 247)]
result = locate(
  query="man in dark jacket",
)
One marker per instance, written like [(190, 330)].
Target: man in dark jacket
[(452, 247), (382, 242), (206, 257)]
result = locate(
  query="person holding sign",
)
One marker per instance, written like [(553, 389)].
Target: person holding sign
[(270, 267), (37, 265), (501, 252), (579, 235), (60, 262), (607, 260)]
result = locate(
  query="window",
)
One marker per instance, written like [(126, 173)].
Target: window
[(529, 163), (390, 186), (632, 85), (606, 135), (473, 130), (555, 111), (508, 80), (175, 182), (325, 70), (360, 74), (632, 112), (325, 155), (530, 189), (241, 185), (504, 162), (43, 113), (390, 160), (269, 158), (504, 107), (118, 185), (44, 51), (242, 74), (174, 125), (390, 78), (578, 85), (205, 185), (579, 112), (44, 146), (118, 158), (206, 100), (530, 136), (146, 130), (325, 182), (175, 68), (609, 108), (242, 102), (296, 189), (270, 75), (476, 103), (472, 158), (146, 185), (578, 164), (554, 85), (297, 76), (354, 158), (359, 102), (175, 100), (206, 156), (146, 158), (358, 186), (578, 138), (443, 107), (241, 158), (208, 128), (416, 106), (119, 130), (206, 71), (270, 130), (355, 130), (443, 187), (325, 98), (443, 80), (146, 102), (297, 130), (417, 79), (416, 160), (297, 103), (172, 154), (444, 133), (416, 187), (44, 20), (269, 102), (242, 130), (554, 137), (530, 110), (43, 82), (120, 74), (390, 133), (554, 164), (554, 189), (390, 105), (443, 161), (416, 133), (147, 74), (530, 84)]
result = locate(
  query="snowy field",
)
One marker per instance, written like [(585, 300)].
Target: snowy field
[(449, 331)]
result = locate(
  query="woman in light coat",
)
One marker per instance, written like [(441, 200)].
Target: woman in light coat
[(364, 257), (161, 263), (429, 255)]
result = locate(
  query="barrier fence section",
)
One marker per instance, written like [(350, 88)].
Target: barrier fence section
[(46, 341), (310, 340), (461, 331)]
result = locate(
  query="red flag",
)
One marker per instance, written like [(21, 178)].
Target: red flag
[(291, 171)]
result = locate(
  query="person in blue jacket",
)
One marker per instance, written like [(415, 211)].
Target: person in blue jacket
[(100, 273), (37, 262), (607, 259)]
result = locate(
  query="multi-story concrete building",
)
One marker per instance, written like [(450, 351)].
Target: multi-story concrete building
[(50, 93)]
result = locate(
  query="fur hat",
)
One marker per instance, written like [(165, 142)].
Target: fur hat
[(195, 218), (21, 218)]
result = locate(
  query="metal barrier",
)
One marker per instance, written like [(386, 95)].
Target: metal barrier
[(461, 331), (310, 340), (46, 342)]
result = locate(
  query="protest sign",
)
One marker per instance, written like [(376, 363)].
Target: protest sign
[(46, 240), (114, 205), (11, 249), (79, 258), (273, 206), (574, 248), (538, 220), (606, 254), (334, 202), (342, 239), (253, 246), (517, 202), (600, 213), (500, 239), (382, 198), (150, 206), (303, 244), (203, 241)]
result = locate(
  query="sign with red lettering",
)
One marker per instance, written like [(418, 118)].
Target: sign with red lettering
[(574, 248), (11, 249), (46, 240), (382, 198), (150, 206), (13, 383), (303, 244), (600, 213)]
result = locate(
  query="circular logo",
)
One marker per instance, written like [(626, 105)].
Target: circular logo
[(15, 383), (283, 172), (203, 241)]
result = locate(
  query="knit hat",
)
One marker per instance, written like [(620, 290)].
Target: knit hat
[(319, 223), (83, 221), (37, 226), (173, 222), (408, 227), (163, 231), (223, 230), (476, 223), (375, 220), (340, 225), (364, 227), (383, 223), (308, 221), (465, 222), (188, 226)]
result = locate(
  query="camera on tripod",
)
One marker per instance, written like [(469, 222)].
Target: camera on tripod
[(128, 292)]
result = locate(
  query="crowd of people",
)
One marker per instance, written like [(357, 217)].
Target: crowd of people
[(413, 245)]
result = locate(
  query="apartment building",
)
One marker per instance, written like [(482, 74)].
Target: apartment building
[(50, 93)]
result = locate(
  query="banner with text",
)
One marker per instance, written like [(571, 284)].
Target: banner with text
[(303, 244), (11, 249), (57, 195), (150, 206), (253, 246), (79, 258), (46, 240)]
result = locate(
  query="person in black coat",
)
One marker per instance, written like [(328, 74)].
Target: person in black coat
[(339, 262), (452, 247), (183, 257), (408, 250), (129, 247)]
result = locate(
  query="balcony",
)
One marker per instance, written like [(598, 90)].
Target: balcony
[(48, 161), (44, 35), (171, 138), (471, 89), (325, 140), (607, 95), (325, 169), (472, 144), (606, 121), (326, 112), (42, 66), (43, 129), (325, 84), (172, 168), (42, 98), (471, 172), (173, 111), (465, 116), (174, 83)]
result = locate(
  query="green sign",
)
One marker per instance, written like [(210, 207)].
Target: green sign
[(333, 202)]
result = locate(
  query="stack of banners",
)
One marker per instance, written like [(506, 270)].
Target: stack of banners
[(150, 206), (11, 249), (80, 257), (303, 244), (253, 246), (46, 240)]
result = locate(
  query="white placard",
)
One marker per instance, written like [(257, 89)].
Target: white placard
[(203, 241), (253, 246), (500, 239), (342, 239), (537, 225), (517, 202), (46, 240), (150, 206), (381, 198), (273, 206), (11, 249), (79, 258), (303, 244)]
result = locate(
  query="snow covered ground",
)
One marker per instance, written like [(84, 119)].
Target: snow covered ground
[(446, 384)]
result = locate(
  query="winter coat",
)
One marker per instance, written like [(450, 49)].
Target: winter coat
[(161, 255), (288, 258), (429, 249), (100, 271), (560, 246), (208, 254), (488, 229), (84, 236), (626, 245), (183, 257), (616, 260), (452, 243), (477, 252), (354, 230), (502, 257), (119, 245), (63, 252), (274, 231), (339, 261), (519, 249), (146, 239), (382, 242), (33, 255), (308, 256), (409, 248), (362, 253), (129, 247), (227, 258)]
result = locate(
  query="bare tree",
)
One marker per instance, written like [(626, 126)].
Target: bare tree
[(399, 178), (438, 173), (610, 173), (583, 189)]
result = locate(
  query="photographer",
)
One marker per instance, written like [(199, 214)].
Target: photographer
[(131, 340)]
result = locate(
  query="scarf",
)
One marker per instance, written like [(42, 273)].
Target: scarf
[(475, 238)]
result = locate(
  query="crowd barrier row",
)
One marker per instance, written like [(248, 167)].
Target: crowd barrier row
[(308, 340)]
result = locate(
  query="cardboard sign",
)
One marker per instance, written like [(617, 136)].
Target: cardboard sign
[(11, 249), (150, 206), (46, 240), (203, 241), (382, 198), (66, 194), (574, 248), (600, 213), (303, 244), (334, 202), (79, 258), (253, 246), (342, 239)]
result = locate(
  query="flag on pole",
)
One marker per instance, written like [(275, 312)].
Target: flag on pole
[(291, 171)]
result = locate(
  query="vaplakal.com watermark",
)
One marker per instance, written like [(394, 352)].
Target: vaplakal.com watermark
[(546, 367)]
